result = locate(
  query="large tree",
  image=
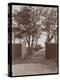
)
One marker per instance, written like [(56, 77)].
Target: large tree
[(26, 20)]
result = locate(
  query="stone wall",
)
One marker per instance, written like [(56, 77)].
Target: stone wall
[(51, 50), (16, 51)]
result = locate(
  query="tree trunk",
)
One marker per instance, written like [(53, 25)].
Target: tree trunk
[(29, 50), (31, 46), (36, 43)]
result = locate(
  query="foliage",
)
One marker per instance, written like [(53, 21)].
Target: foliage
[(50, 23), (26, 20)]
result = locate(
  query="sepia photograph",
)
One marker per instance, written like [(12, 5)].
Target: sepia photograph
[(34, 39)]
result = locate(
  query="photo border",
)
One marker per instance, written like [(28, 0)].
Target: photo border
[(10, 51)]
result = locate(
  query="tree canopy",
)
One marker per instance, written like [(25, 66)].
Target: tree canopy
[(28, 22)]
